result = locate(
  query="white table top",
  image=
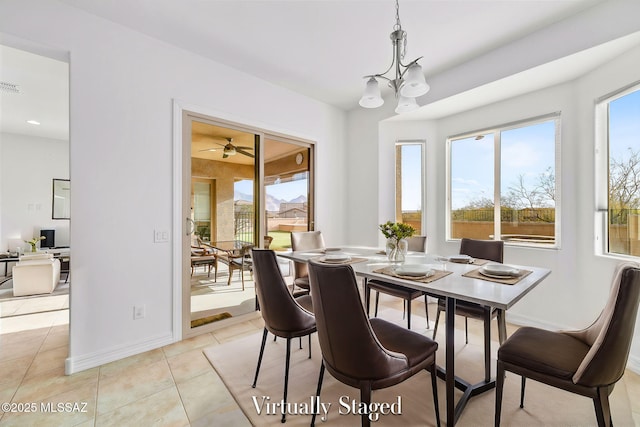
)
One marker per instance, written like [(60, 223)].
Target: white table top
[(499, 295)]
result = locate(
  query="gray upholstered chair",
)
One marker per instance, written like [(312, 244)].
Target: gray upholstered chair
[(362, 353), (588, 362), (304, 241), (415, 244), (284, 316), (492, 250)]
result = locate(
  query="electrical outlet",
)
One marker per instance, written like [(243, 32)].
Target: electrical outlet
[(160, 236), (138, 312)]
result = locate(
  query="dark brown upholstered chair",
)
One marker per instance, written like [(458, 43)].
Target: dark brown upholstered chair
[(416, 244), (362, 353), (492, 250), (304, 241), (284, 316), (588, 362)]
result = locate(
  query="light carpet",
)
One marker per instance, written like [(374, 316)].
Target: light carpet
[(235, 362)]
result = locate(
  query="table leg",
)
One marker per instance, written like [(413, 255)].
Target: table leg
[(454, 410), (450, 314)]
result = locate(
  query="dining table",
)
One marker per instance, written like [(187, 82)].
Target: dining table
[(450, 280)]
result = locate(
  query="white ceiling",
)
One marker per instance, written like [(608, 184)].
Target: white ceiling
[(43, 85), (323, 48), (320, 48)]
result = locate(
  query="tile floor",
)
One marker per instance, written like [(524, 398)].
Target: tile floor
[(171, 386)]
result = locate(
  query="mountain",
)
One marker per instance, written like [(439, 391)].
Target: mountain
[(273, 203)]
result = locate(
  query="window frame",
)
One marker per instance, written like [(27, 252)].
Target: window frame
[(601, 176), (496, 131), (398, 180)]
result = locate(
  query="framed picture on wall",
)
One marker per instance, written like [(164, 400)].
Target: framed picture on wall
[(61, 207)]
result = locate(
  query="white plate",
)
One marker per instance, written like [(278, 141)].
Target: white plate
[(336, 258), (500, 270), (417, 270), (461, 258)]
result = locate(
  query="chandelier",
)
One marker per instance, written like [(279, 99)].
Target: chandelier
[(409, 81)]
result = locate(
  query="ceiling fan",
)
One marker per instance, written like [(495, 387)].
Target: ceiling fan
[(231, 150)]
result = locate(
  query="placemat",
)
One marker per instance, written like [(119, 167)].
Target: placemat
[(475, 274), (438, 274), (353, 260)]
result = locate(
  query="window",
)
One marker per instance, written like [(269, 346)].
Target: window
[(502, 183), (619, 137), (409, 184)]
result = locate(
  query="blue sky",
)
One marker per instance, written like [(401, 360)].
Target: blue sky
[(526, 151), (624, 125)]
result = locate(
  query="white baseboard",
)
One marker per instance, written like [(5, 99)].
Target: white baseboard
[(88, 361), (633, 362)]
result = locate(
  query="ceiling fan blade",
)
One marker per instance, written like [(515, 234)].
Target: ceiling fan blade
[(238, 150), (243, 148)]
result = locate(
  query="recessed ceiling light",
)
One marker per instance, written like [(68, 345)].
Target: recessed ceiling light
[(33, 122)]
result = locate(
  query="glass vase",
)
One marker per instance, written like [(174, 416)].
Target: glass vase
[(397, 250)]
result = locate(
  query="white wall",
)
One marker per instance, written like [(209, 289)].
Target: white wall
[(579, 284), (122, 89), (27, 167)]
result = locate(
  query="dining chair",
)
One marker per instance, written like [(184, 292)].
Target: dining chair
[(415, 244), (492, 250), (304, 241), (284, 316), (368, 354), (587, 362), (237, 259)]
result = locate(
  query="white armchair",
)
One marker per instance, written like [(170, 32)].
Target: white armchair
[(35, 274)]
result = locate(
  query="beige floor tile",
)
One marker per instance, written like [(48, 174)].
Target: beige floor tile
[(55, 339), (205, 394), (159, 409), (67, 409), (12, 371), (232, 418), (47, 360), (131, 363), (235, 331), (188, 365), (42, 386), (118, 390), (21, 348), (199, 341)]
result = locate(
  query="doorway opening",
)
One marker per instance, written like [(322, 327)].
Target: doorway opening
[(242, 188)]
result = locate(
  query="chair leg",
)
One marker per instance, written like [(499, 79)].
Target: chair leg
[(264, 340), (408, 304), (523, 382), (426, 309), (375, 314), (367, 296), (499, 389), (435, 327), (300, 342), (601, 404), (365, 398), (286, 379), (404, 309), (313, 418), (309, 346), (434, 387)]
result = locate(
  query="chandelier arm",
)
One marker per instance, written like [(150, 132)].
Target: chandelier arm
[(406, 67)]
